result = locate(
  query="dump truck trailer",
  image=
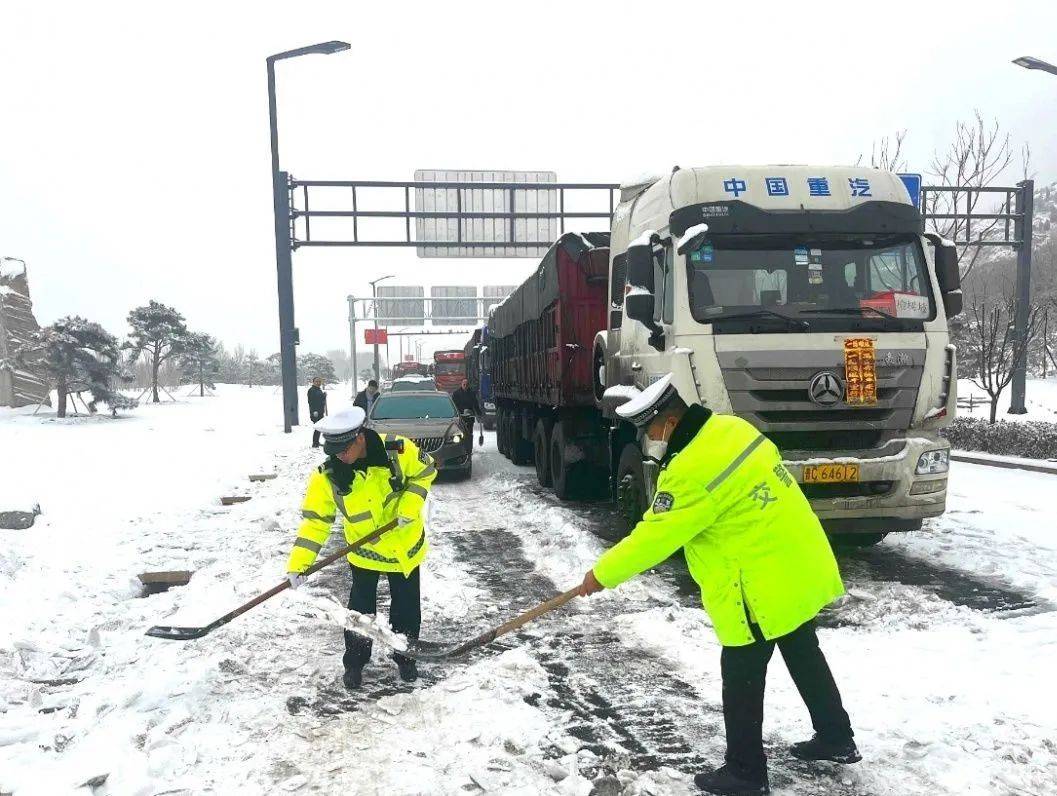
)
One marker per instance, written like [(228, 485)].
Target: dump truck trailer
[(805, 299)]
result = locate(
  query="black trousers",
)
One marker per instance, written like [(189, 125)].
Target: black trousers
[(744, 672), (316, 416), (405, 609), (469, 432)]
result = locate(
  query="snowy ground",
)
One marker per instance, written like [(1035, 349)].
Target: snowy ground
[(943, 648), (1040, 401)]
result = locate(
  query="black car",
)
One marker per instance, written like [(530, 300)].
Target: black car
[(429, 419)]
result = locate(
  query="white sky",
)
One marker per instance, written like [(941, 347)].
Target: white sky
[(134, 158)]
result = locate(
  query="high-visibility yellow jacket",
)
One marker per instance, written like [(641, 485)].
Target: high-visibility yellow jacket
[(370, 503), (748, 533)]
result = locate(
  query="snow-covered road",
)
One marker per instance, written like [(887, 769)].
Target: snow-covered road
[(943, 648)]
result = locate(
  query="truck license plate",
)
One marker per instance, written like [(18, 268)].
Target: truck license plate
[(830, 473)]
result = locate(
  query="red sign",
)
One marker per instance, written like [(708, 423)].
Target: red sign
[(373, 336)]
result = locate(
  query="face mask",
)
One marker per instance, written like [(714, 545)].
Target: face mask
[(655, 449)]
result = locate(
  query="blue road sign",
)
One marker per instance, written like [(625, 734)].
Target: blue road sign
[(913, 184)]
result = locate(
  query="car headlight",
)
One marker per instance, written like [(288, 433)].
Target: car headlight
[(456, 437), (932, 462)]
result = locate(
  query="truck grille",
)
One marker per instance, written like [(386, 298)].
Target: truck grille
[(770, 390), (826, 440), (429, 444)]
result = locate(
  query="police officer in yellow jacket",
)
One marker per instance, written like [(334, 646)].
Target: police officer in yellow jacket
[(370, 482), (764, 565)]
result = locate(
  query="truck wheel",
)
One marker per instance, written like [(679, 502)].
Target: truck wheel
[(520, 448), (856, 539), (631, 487), (560, 470), (501, 433), (541, 450)]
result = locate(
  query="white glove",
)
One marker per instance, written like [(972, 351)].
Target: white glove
[(295, 579), (402, 521)]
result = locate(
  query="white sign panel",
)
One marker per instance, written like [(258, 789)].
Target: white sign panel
[(485, 200), (403, 311)]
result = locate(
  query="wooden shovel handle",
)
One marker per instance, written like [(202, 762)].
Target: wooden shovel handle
[(535, 613)]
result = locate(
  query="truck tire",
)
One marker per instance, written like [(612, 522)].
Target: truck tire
[(541, 451), (501, 432), (631, 487), (847, 540), (520, 447)]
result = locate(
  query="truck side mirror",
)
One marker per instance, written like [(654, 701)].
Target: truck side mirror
[(947, 273), (946, 255), (639, 304), (953, 303), (640, 266)]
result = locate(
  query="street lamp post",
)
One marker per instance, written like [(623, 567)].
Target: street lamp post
[(1023, 233), (374, 296), (283, 259)]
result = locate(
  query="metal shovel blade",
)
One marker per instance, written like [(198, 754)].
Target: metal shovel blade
[(177, 633)]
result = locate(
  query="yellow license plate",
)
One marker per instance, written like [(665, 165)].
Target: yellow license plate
[(830, 473)]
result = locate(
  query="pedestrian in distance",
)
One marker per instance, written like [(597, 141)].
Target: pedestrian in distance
[(757, 550), (371, 483), (467, 405), (317, 406), (365, 398)]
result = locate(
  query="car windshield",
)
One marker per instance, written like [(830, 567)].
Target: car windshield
[(450, 367), (809, 276), (413, 407)]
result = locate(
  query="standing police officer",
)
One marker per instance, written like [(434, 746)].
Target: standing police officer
[(764, 565), (372, 483)]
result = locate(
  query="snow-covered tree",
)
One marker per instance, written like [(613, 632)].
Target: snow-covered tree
[(159, 332), (992, 348), (79, 355), (254, 371), (311, 366), (201, 360)]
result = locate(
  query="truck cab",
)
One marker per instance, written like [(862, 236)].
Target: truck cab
[(806, 300)]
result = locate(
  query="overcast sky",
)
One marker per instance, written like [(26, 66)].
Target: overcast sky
[(134, 158)]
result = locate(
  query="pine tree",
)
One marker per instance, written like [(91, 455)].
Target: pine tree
[(159, 332), (79, 355), (201, 359)]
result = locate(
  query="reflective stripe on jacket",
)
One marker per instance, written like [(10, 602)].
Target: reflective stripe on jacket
[(747, 530), (370, 503)]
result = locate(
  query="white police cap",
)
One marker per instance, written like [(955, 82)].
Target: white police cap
[(648, 403), (341, 426)]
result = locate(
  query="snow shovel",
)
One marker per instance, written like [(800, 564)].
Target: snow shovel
[(188, 633), (424, 653)]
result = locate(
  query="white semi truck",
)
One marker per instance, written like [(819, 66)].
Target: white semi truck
[(805, 299)]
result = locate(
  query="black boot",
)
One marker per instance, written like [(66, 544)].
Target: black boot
[(407, 667), (725, 782), (819, 749), (353, 678)]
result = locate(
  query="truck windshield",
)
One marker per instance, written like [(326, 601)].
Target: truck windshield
[(810, 277), (448, 368)]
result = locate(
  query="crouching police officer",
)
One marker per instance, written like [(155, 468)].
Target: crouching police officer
[(759, 554), (371, 483)]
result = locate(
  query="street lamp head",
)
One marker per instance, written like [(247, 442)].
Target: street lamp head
[(331, 47), (1029, 62), (323, 48)]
